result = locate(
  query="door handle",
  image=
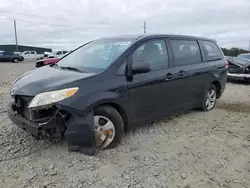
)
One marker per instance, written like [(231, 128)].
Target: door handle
[(168, 76), (181, 73)]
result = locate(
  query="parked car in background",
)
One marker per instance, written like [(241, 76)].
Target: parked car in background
[(19, 53), (10, 56), (239, 69), (31, 55), (46, 61), (58, 54), (245, 56), (107, 86)]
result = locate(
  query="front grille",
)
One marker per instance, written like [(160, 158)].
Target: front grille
[(21, 105), (37, 115)]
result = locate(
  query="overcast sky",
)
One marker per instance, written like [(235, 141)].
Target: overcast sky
[(69, 23)]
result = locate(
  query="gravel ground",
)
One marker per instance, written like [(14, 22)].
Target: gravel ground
[(196, 149)]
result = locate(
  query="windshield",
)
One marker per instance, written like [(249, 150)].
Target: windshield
[(95, 56), (247, 56), (241, 61)]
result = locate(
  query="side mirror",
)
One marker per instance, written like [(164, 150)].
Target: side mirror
[(139, 67)]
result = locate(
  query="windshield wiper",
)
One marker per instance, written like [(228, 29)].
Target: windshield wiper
[(54, 64), (71, 68)]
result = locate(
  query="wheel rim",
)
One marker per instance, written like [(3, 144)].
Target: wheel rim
[(15, 60), (211, 98), (104, 131)]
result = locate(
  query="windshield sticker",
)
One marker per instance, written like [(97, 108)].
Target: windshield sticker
[(124, 43)]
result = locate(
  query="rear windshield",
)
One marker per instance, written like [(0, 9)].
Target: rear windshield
[(97, 55)]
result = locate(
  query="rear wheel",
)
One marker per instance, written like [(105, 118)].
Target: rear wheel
[(109, 127), (15, 60), (209, 100)]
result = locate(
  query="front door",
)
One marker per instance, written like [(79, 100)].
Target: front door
[(147, 90), (7, 56), (33, 56), (26, 56)]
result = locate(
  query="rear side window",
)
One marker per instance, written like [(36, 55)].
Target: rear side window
[(186, 52), (212, 51), (32, 52)]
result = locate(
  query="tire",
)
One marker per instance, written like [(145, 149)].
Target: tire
[(115, 117), (15, 60), (205, 107)]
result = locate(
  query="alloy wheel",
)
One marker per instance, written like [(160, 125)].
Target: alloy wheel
[(104, 131), (211, 99)]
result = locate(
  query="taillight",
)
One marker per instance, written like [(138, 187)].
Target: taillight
[(226, 65)]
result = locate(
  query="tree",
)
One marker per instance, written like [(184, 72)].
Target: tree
[(233, 51)]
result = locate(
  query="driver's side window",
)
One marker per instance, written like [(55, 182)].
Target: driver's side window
[(153, 52)]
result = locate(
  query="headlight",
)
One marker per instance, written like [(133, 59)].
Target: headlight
[(52, 97)]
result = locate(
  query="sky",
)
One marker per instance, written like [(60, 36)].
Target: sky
[(64, 24)]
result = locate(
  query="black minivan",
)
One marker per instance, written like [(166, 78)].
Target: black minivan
[(100, 90)]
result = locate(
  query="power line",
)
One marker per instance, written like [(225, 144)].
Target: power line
[(86, 26), (45, 23), (33, 15)]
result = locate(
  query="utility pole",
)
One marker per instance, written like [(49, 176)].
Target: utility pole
[(249, 47), (15, 35), (145, 27)]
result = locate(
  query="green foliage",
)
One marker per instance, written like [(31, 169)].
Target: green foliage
[(233, 51)]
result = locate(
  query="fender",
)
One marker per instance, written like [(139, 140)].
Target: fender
[(90, 101)]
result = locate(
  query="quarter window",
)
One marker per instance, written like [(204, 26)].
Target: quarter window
[(212, 51), (153, 52), (186, 52)]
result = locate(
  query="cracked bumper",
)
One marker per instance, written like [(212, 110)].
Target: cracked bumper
[(52, 129), (24, 124), (239, 77), (78, 130)]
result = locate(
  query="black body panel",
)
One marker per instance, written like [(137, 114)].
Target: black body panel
[(139, 98)]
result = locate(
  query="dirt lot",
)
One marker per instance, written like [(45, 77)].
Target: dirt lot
[(192, 150)]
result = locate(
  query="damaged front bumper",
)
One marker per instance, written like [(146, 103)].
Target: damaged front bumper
[(238, 77), (57, 122), (48, 128), (43, 122)]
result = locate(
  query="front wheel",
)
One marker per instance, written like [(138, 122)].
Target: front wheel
[(209, 100), (108, 126)]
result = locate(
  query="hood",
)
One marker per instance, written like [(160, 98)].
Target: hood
[(45, 79), (239, 62), (50, 61)]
